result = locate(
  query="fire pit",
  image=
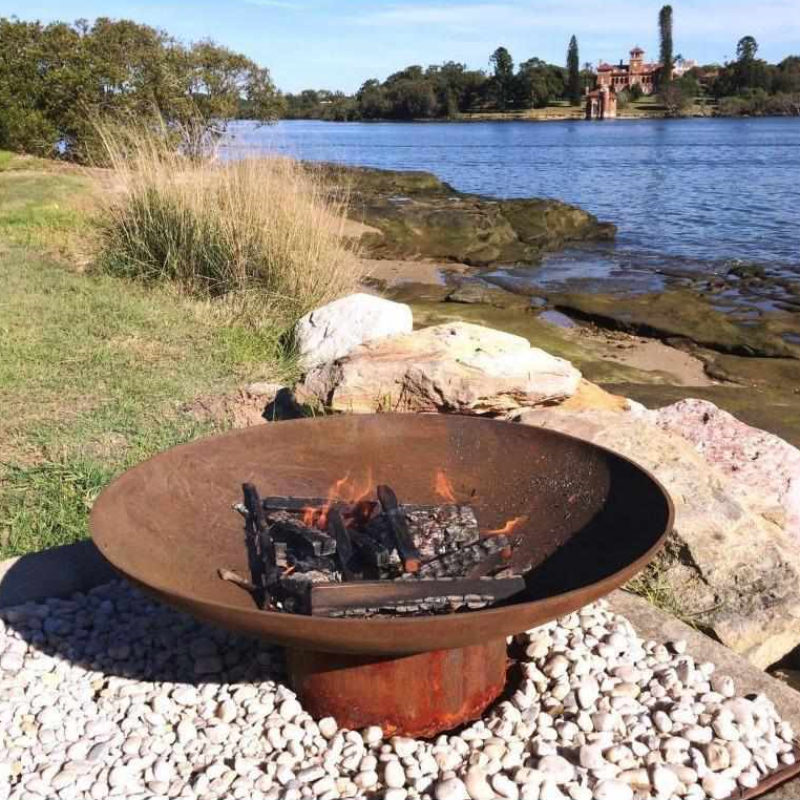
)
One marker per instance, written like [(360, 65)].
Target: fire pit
[(582, 520)]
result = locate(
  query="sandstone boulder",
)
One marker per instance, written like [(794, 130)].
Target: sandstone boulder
[(749, 457), (335, 329), (732, 566), (455, 367)]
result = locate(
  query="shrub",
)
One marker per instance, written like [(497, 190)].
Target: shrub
[(265, 234), (635, 92)]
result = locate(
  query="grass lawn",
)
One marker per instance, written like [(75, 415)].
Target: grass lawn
[(94, 370)]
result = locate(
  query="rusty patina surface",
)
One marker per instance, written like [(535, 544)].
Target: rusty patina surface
[(416, 695)]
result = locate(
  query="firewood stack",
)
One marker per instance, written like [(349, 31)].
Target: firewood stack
[(370, 557)]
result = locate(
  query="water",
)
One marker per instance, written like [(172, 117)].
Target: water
[(689, 194)]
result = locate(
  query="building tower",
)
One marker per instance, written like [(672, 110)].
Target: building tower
[(637, 59)]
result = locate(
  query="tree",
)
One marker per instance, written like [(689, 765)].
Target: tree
[(635, 92), (503, 66), (746, 49), (677, 96), (588, 76), (665, 33), (371, 99), (56, 80), (574, 70)]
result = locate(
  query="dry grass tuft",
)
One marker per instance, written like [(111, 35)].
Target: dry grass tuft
[(265, 234)]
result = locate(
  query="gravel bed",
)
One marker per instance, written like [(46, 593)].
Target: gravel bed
[(111, 694)]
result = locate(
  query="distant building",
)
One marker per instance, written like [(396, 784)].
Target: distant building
[(682, 66), (635, 72), (601, 103)]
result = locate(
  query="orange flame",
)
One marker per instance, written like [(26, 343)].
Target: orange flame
[(444, 488), (509, 527), (343, 490)]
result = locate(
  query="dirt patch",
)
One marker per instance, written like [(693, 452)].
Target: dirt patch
[(241, 409), (650, 355)]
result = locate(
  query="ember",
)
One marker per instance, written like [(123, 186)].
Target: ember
[(364, 558)]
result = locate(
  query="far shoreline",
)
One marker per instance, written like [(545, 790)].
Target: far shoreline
[(513, 117)]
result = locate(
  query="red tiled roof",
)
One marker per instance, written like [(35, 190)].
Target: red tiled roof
[(605, 67)]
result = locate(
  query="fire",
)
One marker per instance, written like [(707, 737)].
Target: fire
[(343, 490), (509, 527), (444, 488)]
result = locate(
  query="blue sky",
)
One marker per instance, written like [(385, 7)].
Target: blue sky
[(338, 44)]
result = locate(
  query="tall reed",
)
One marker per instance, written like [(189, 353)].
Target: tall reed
[(266, 233)]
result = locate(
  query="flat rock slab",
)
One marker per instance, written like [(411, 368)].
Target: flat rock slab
[(333, 330), (456, 367)]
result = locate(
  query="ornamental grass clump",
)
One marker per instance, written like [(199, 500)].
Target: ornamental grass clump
[(262, 233)]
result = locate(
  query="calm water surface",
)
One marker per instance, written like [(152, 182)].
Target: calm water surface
[(694, 193)]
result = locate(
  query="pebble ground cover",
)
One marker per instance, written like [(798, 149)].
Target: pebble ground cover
[(110, 694)]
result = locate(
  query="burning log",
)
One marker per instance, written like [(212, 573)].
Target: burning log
[(310, 555), (261, 550), (301, 538), (372, 597), (359, 512), (403, 540), (456, 563), (344, 547), (371, 551), (440, 528)]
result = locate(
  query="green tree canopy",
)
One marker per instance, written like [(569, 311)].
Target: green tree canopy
[(746, 49), (56, 79), (503, 66), (665, 37), (574, 70)]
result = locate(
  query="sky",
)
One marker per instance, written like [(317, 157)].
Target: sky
[(338, 44)]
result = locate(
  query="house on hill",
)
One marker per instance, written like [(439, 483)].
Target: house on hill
[(601, 103), (636, 72)]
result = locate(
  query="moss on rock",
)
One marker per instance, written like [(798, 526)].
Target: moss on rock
[(419, 216)]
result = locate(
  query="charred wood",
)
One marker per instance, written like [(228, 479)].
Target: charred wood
[(403, 540), (261, 550), (426, 595), (344, 547), (456, 563)]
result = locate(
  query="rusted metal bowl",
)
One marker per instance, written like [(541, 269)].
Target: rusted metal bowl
[(592, 520)]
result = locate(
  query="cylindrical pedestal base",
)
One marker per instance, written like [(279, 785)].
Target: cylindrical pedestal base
[(416, 695)]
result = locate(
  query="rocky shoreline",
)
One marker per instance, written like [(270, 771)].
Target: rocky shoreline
[(733, 337)]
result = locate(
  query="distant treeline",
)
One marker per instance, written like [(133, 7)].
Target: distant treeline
[(56, 80), (751, 86), (437, 92), (748, 85)]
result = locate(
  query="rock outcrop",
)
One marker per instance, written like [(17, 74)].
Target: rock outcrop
[(335, 329), (420, 216), (733, 566), (682, 314), (456, 367)]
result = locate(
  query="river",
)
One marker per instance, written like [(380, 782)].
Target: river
[(690, 194)]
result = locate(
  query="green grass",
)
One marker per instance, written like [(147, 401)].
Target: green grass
[(94, 370)]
